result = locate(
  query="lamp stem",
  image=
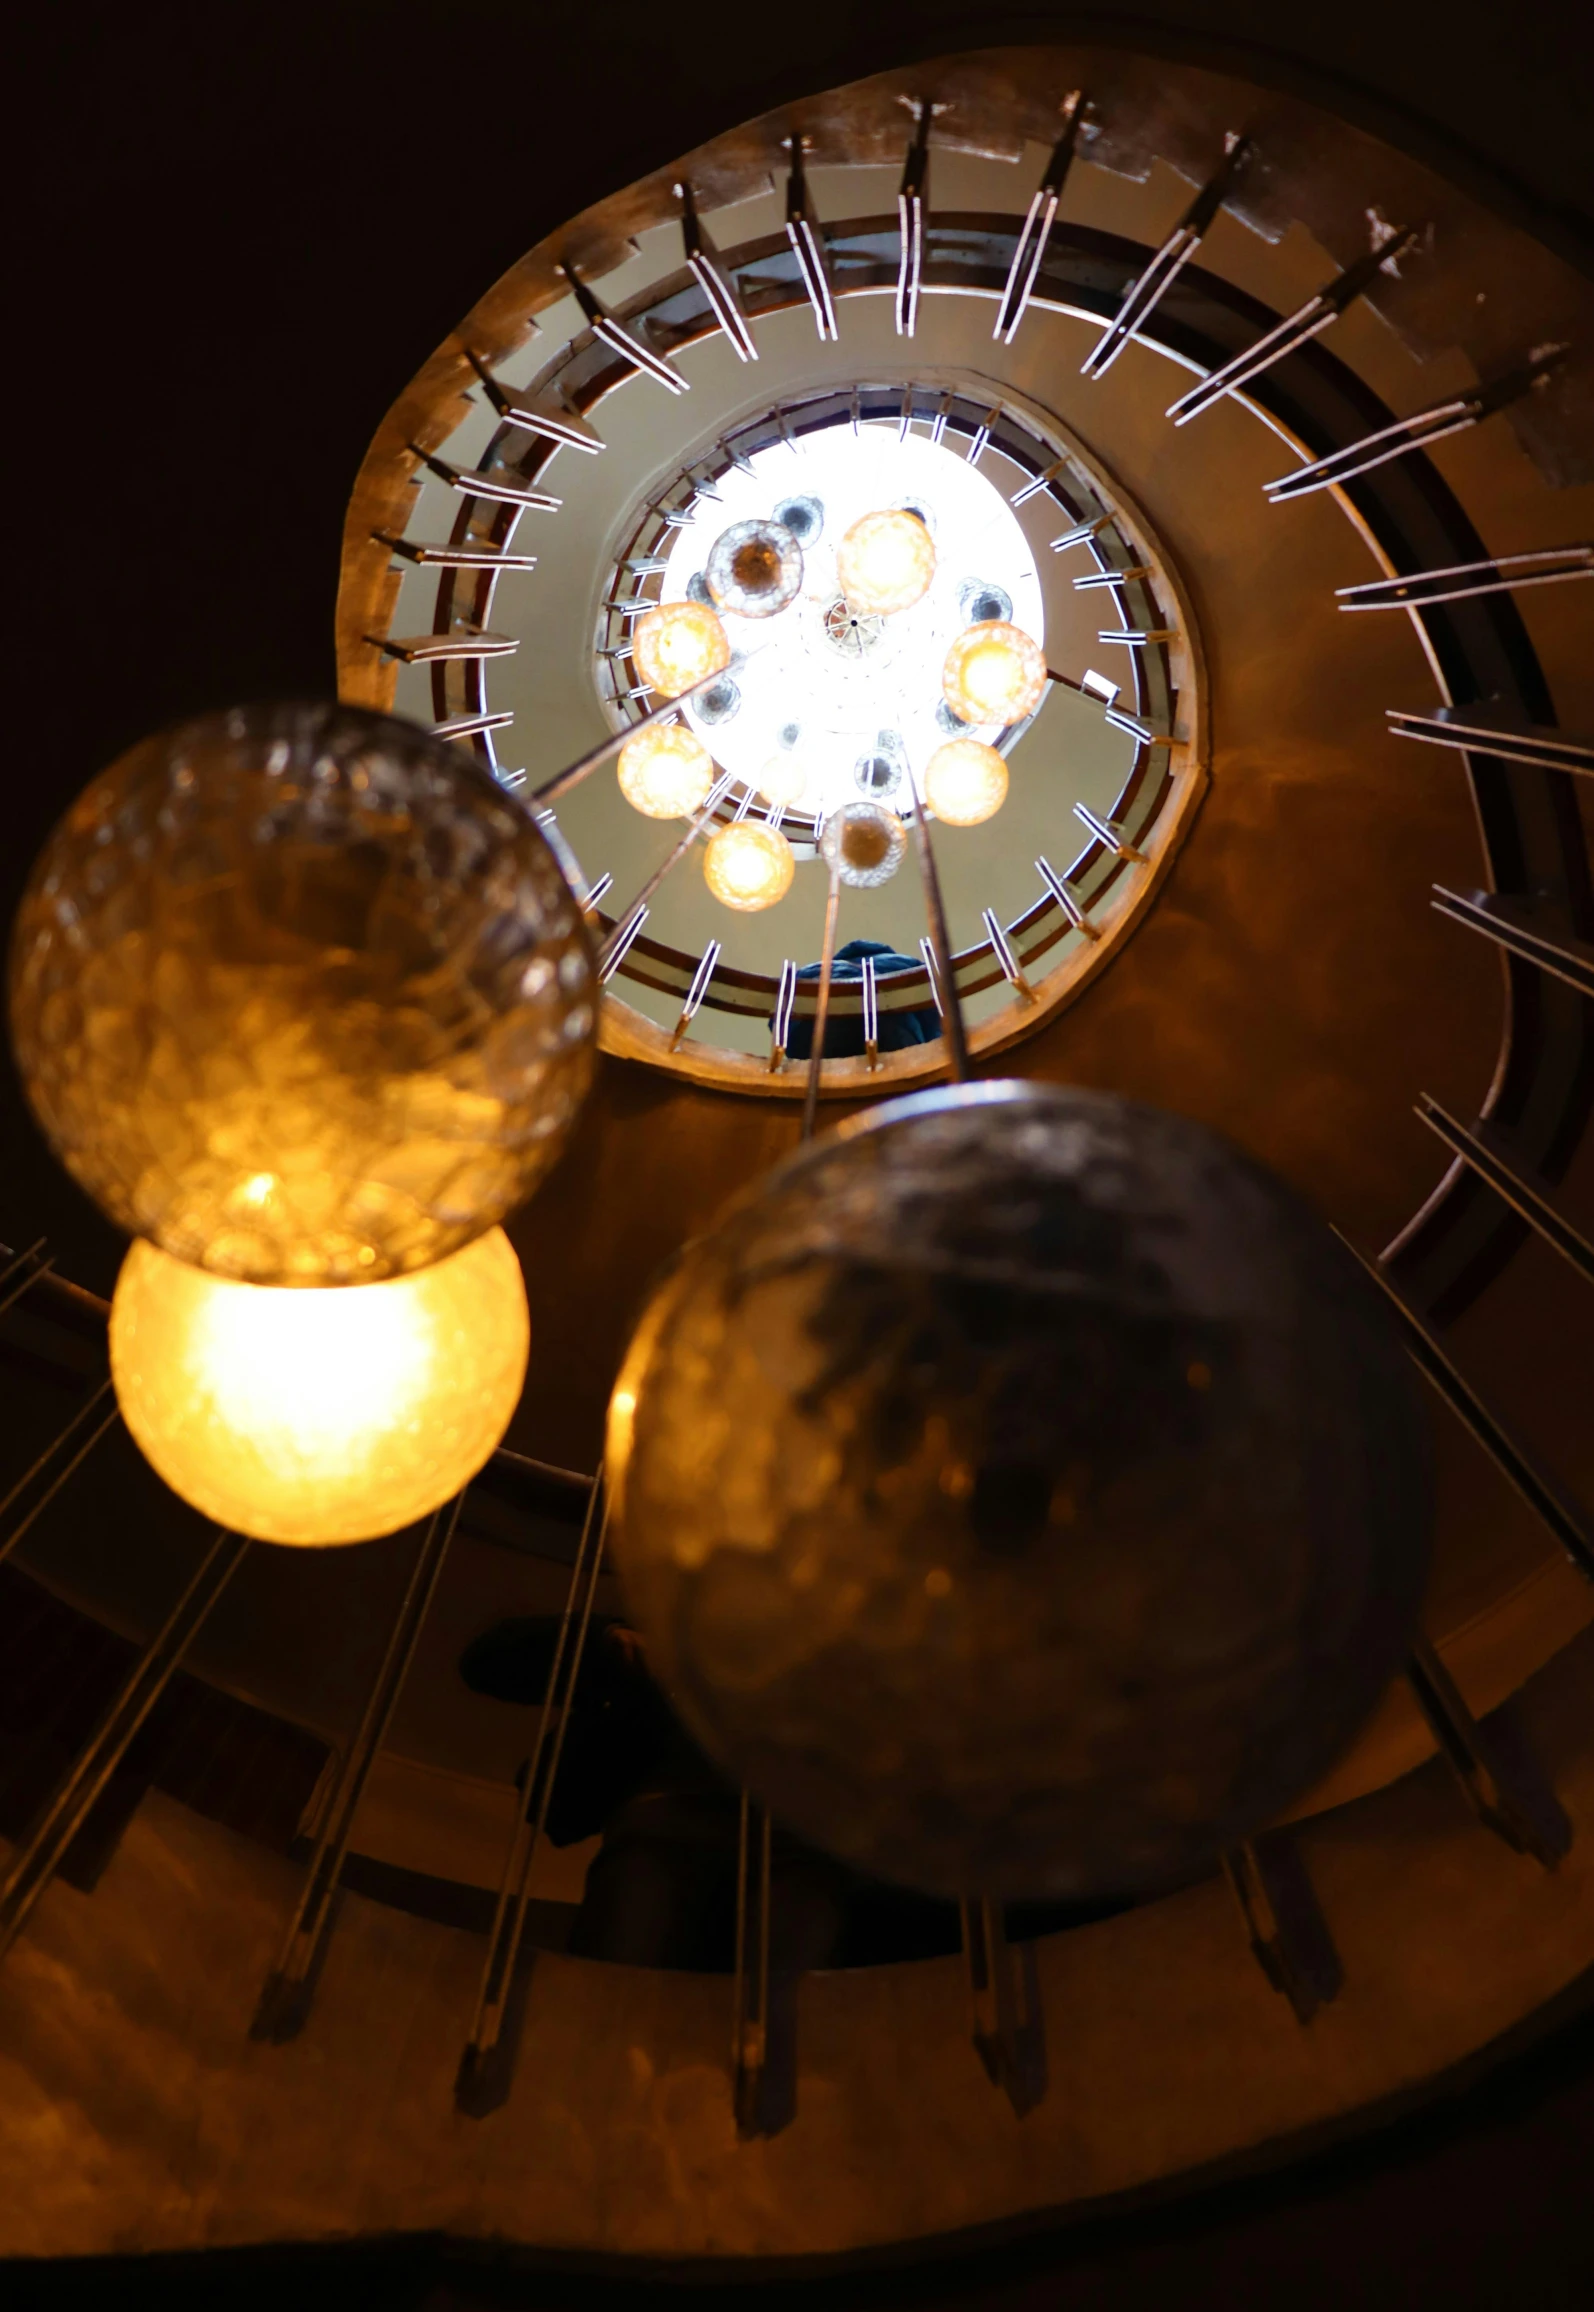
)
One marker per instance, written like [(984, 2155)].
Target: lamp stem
[(957, 1042)]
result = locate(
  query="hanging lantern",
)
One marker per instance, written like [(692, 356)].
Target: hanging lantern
[(965, 782), (299, 993), (665, 772), (754, 569), (863, 843), (783, 780), (748, 866), (315, 1417), (994, 673), (1021, 1492), (677, 645), (885, 562)]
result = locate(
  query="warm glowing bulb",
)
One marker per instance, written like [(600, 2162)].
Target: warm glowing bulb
[(666, 771), (783, 780), (964, 782), (320, 1414), (994, 673), (885, 562), (748, 865), (679, 644)]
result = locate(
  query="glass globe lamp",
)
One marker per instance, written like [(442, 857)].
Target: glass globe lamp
[(863, 844), (314, 1417), (885, 562), (748, 866), (677, 645), (665, 772), (299, 993), (965, 782), (754, 569), (994, 673), (783, 780)]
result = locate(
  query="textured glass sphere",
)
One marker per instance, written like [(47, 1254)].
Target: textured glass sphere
[(885, 562), (748, 865), (994, 673), (665, 772), (319, 1417), (965, 782), (863, 843), (783, 779), (302, 995), (1022, 1491), (754, 569), (677, 645)]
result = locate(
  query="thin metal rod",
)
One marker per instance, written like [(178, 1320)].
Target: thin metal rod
[(285, 2001), (583, 768), (1418, 431), (827, 963), (18, 1260), (1495, 730), (509, 1918), (25, 1284), (1147, 291), (1501, 1794), (1532, 1200), (1459, 581), (750, 1993), (1563, 1516), (42, 1504), (641, 901), (50, 1451), (34, 1863), (957, 1043), (1029, 247), (1520, 928)]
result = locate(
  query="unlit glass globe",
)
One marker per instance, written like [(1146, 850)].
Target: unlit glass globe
[(885, 562), (965, 782), (1022, 1492), (677, 645), (318, 1417), (299, 993), (994, 673), (863, 843), (748, 866), (754, 569), (666, 772)]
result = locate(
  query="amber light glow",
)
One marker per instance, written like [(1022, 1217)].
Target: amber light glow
[(678, 645), (994, 673), (748, 866), (965, 782), (665, 771), (885, 562), (320, 1415)]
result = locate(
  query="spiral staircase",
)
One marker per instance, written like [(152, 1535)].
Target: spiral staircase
[(1336, 902)]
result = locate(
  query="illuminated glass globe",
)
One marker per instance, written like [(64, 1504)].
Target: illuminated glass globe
[(783, 780), (299, 993), (885, 562), (317, 1417), (994, 673), (863, 843), (665, 772), (677, 645), (754, 569), (1021, 1492), (748, 866), (965, 782)]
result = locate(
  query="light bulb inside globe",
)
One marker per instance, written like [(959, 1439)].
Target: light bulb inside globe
[(679, 644), (319, 1415), (885, 562), (665, 772), (783, 780), (965, 782), (748, 866), (994, 673), (754, 569)]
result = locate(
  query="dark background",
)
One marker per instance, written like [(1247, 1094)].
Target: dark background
[(238, 229)]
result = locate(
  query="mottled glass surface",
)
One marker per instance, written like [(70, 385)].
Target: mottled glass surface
[(299, 993), (1023, 1492)]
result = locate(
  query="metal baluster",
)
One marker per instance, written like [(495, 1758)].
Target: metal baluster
[(551, 418), (1460, 581), (502, 485), (696, 992), (1036, 231), (827, 962), (720, 294), (780, 1022), (808, 245), (1419, 431), (1002, 948), (1004, 2004), (871, 1014), (1065, 899), (34, 1863), (631, 921), (750, 1993), (911, 198), (1506, 1795), (1309, 321), (957, 1044), (483, 2080), (1146, 292), (38, 1467), (1538, 934), (1497, 730), (1488, 1154), (290, 1987), (1288, 1935), (610, 333)]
